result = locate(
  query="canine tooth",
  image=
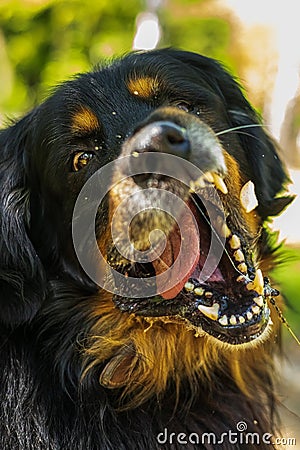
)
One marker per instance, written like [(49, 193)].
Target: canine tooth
[(259, 301), (248, 197), (209, 176), (208, 294), (219, 183), (255, 309), (257, 284), (225, 230), (241, 319), (199, 291), (242, 268), (212, 312), (232, 320), (249, 315), (223, 320), (239, 256), (235, 242), (189, 286)]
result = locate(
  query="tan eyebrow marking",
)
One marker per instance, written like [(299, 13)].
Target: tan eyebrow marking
[(144, 87), (84, 120)]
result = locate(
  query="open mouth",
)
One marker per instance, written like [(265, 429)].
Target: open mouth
[(231, 304)]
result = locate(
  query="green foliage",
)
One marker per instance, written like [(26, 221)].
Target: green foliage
[(287, 276), (209, 36), (44, 42)]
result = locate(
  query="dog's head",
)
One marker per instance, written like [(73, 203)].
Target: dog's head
[(183, 135)]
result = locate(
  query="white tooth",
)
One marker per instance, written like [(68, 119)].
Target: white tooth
[(241, 319), (232, 320), (199, 291), (239, 256), (135, 154), (248, 198), (209, 177), (222, 227), (242, 268), (189, 286), (255, 309), (257, 284), (234, 242), (219, 183), (200, 182), (249, 315), (225, 230), (223, 320), (259, 301), (210, 311)]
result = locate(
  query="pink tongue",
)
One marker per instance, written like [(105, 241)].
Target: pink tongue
[(183, 265)]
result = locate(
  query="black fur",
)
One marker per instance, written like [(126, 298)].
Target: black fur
[(46, 299)]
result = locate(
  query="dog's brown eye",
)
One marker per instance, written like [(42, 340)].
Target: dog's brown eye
[(81, 159)]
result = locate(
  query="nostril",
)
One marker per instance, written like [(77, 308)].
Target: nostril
[(154, 138), (175, 136), (174, 140)]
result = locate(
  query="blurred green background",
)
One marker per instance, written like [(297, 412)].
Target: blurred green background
[(43, 42)]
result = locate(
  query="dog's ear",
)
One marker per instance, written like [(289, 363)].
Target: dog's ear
[(268, 174), (21, 273), (261, 150)]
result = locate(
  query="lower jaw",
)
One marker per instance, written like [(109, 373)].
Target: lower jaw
[(234, 312), (239, 334), (230, 339), (255, 330)]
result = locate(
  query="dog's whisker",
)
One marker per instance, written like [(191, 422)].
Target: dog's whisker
[(240, 127)]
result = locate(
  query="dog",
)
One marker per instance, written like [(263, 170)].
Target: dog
[(100, 348)]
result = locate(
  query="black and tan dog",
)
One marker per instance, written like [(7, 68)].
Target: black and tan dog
[(82, 368)]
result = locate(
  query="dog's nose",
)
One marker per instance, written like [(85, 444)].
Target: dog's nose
[(164, 137)]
